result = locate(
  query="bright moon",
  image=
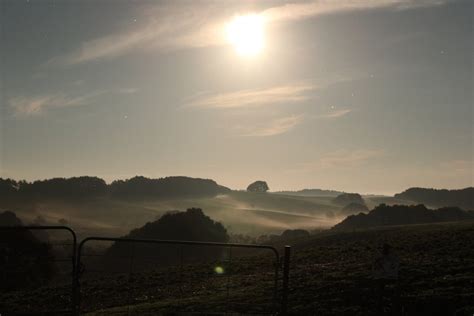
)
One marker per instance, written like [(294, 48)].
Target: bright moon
[(246, 34)]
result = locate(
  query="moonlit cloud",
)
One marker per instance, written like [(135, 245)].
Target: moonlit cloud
[(335, 113), (128, 90), (346, 158), (256, 97), (459, 166), (341, 159), (302, 10), (177, 27), (189, 26), (34, 105), (271, 128)]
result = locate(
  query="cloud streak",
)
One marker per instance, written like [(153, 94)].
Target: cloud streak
[(272, 128), (335, 114), (189, 26), (345, 158), (255, 97), (35, 105), (296, 11), (340, 159), (38, 104), (165, 27)]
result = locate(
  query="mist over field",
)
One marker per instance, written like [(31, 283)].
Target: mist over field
[(240, 212), (94, 208)]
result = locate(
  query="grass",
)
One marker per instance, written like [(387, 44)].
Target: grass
[(330, 275)]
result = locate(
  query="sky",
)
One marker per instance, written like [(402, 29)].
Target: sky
[(369, 96)]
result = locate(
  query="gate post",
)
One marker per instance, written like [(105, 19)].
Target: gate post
[(286, 280)]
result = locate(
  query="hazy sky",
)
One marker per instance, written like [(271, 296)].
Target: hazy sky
[(369, 96)]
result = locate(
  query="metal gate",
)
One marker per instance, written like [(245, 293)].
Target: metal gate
[(42, 273), (116, 283)]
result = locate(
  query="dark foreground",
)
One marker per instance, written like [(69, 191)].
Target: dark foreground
[(330, 275)]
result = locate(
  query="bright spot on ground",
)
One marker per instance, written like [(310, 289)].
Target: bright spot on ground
[(219, 270), (246, 34)]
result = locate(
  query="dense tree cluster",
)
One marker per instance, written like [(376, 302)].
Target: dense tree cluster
[(169, 187), (347, 198), (384, 215), (463, 198), (192, 225), (288, 235), (55, 187), (258, 187), (354, 208), (311, 192), (25, 261), (93, 187)]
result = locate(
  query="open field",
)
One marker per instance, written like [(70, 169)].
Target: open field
[(330, 275)]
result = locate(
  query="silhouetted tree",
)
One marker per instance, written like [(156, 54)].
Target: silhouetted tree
[(463, 198), (8, 187), (88, 187), (384, 215), (294, 233), (347, 198), (166, 187), (24, 260), (192, 225), (258, 186), (64, 188), (354, 208)]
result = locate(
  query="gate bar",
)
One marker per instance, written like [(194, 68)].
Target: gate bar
[(286, 280)]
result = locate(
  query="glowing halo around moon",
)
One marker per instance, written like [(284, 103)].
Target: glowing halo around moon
[(246, 33)]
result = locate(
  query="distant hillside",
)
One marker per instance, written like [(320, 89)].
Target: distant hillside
[(80, 187), (310, 192), (384, 215), (348, 198), (463, 198)]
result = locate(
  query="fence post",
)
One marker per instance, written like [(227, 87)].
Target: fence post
[(286, 280), (77, 284)]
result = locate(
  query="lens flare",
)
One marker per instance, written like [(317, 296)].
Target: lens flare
[(219, 270)]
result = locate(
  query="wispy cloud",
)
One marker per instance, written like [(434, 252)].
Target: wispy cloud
[(128, 90), (271, 128), (186, 26), (34, 105), (255, 97), (161, 27), (458, 166), (302, 10), (345, 158), (38, 104), (335, 113), (340, 159)]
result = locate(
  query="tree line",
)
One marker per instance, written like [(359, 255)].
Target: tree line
[(463, 198), (85, 186)]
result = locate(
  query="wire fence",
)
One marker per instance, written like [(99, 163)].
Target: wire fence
[(117, 276)]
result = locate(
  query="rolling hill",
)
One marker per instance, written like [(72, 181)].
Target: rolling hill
[(384, 215)]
